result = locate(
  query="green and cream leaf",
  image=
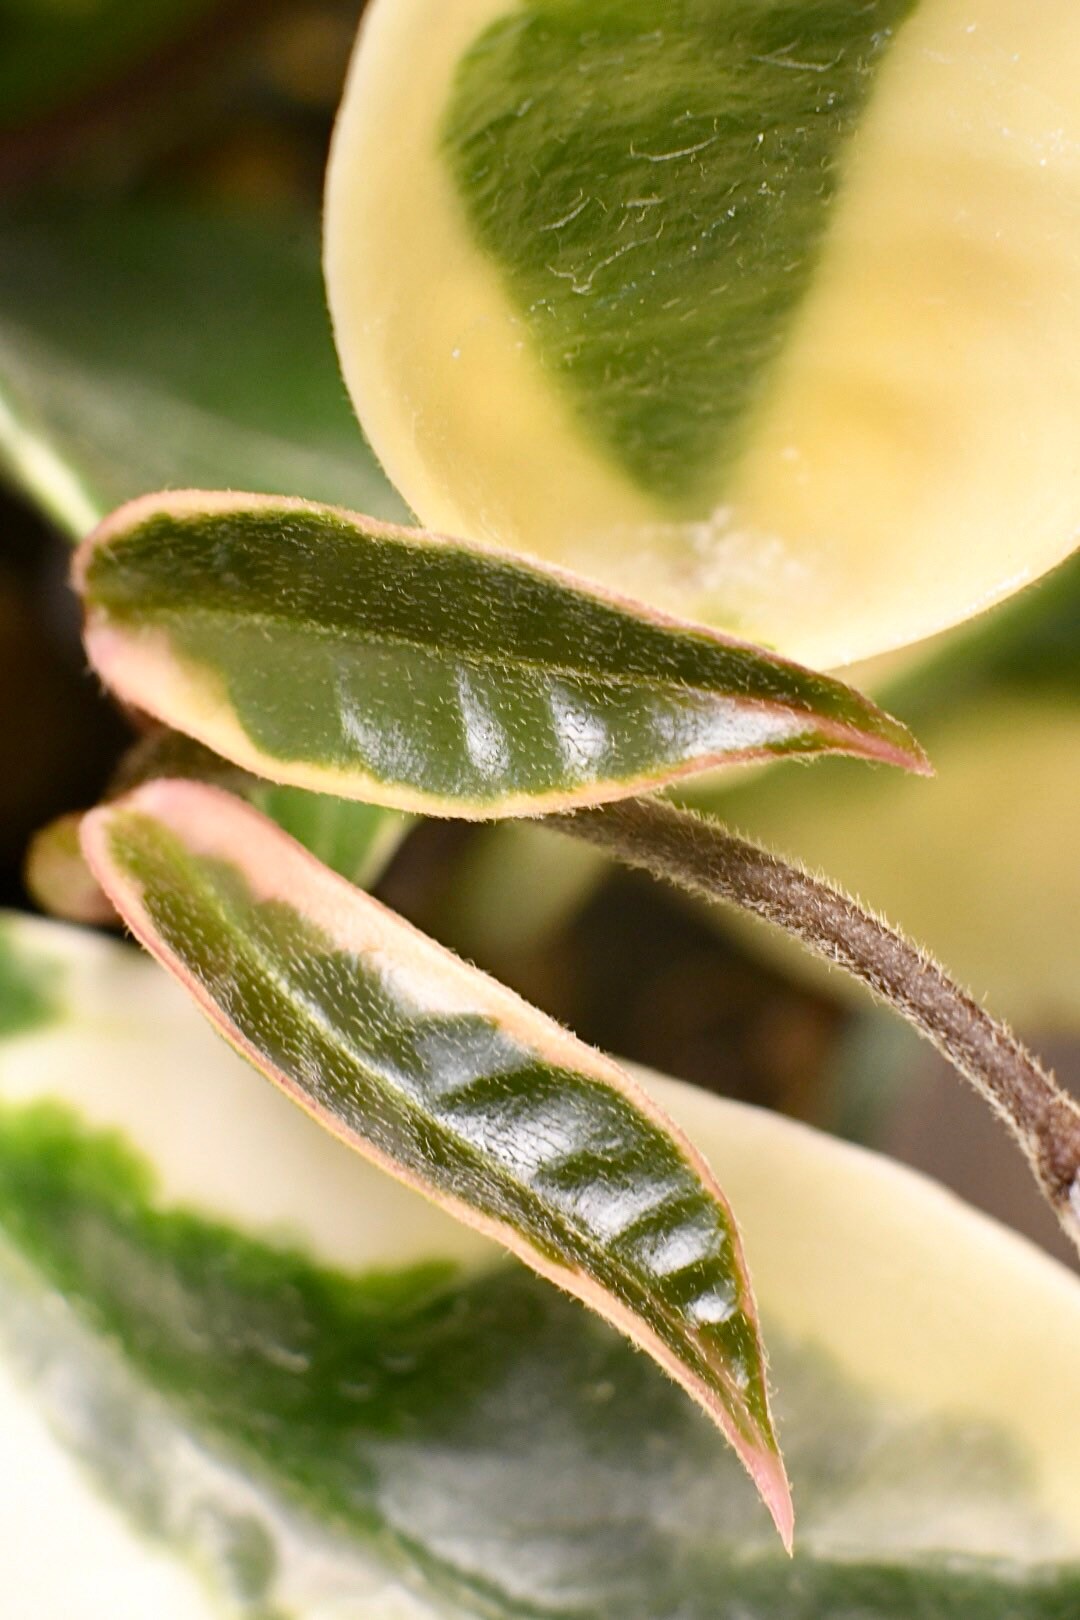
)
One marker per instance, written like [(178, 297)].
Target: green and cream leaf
[(334, 653), (354, 839), (293, 1388), (763, 312), (450, 1083)]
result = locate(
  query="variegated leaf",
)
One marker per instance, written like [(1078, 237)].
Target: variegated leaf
[(335, 653), (354, 839), (450, 1083), (293, 1388), (765, 312)]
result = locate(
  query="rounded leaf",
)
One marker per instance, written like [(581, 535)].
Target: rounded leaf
[(765, 313)]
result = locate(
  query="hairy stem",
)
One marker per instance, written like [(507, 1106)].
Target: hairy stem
[(702, 857)]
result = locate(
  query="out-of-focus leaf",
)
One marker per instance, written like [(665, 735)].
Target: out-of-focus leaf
[(306, 1384), (54, 50), (58, 879), (27, 987), (765, 313), (354, 839), (140, 348), (450, 1083), (329, 651), (977, 865), (548, 876)]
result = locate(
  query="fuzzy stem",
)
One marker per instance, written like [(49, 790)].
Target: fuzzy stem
[(702, 857)]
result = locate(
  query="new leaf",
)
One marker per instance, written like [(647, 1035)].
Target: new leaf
[(335, 653), (452, 1084)]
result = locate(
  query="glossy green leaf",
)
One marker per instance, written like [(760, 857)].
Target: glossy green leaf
[(152, 346), (452, 1084), (309, 1395), (326, 650), (54, 51), (761, 310)]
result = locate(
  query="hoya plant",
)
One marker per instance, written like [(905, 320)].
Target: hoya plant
[(707, 350)]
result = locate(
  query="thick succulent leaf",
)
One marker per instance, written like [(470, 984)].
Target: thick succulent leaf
[(978, 864), (452, 1084), (326, 650), (295, 1378), (153, 346), (53, 53), (765, 313)]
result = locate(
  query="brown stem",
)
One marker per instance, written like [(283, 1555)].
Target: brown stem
[(706, 860)]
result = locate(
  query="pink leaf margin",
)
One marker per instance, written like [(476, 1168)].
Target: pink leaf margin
[(140, 667), (211, 823)]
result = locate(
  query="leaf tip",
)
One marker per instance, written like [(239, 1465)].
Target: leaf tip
[(770, 1476), (918, 761), (889, 741)]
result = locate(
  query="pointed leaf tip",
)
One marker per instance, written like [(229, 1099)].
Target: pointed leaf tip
[(326, 650), (450, 1083)]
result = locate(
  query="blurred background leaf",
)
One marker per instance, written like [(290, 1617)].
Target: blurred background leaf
[(145, 346)]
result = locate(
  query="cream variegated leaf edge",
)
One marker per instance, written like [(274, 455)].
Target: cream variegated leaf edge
[(321, 648), (897, 1281), (909, 459), (452, 1084)]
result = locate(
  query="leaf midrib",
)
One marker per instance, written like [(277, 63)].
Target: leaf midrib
[(169, 618)]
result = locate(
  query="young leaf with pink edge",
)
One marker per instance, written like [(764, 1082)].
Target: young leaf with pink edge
[(329, 651), (453, 1085)]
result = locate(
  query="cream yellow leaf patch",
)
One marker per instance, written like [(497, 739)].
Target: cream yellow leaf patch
[(765, 314)]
